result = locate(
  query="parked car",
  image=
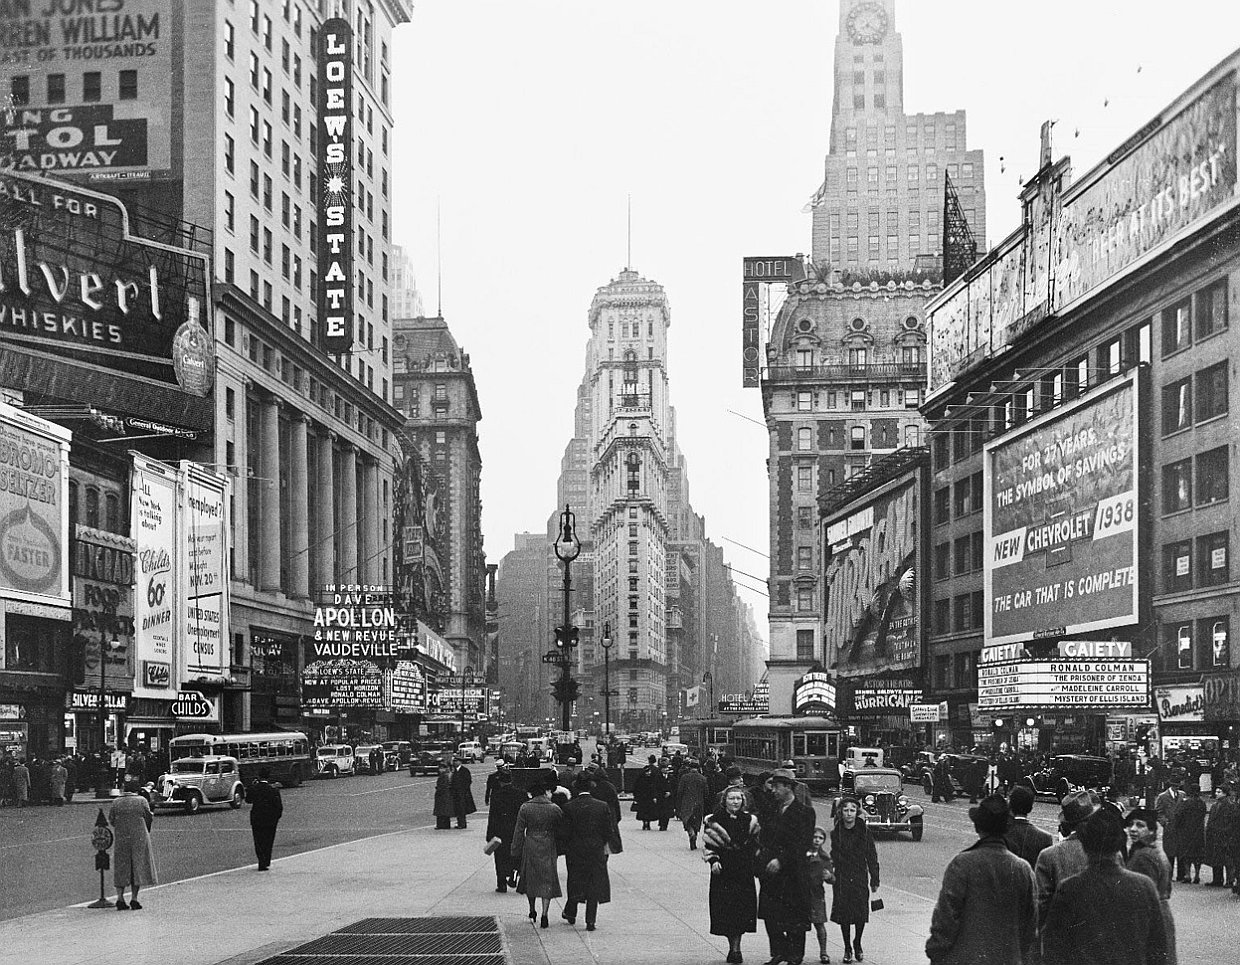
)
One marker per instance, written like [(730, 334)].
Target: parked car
[(1069, 771), (671, 749), (332, 760), (361, 757), (921, 764), (196, 781), (470, 751), (958, 766), (396, 754), (426, 759), (884, 805)]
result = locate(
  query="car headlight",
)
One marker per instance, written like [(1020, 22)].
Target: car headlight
[(902, 802), (869, 800)]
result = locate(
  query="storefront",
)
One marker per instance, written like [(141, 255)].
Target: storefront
[(1182, 721), (89, 732), (880, 710)]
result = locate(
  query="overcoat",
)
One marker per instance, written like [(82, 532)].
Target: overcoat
[(855, 857), (787, 836), (648, 792), (59, 778), (691, 798), (133, 860), (1166, 804), (1188, 825), (733, 896), (266, 805), (534, 848), (588, 829), (1149, 860), (502, 819), (462, 796), (1106, 915), (444, 807), (1221, 828)]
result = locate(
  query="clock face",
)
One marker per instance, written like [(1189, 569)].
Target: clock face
[(867, 23)]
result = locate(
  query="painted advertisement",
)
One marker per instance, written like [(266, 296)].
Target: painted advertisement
[(1074, 684), (1168, 177), (103, 608), (1180, 703), (335, 201), (98, 96), (34, 520), (154, 502), (872, 619), (1061, 503), (204, 579)]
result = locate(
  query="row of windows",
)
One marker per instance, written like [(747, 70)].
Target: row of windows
[(968, 553), (964, 612), (959, 499), (1201, 644), (58, 92), (1210, 470), (1194, 399), (1209, 566), (859, 400), (1195, 317), (955, 671), (911, 130)]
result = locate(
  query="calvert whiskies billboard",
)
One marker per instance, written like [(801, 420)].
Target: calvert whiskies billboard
[(335, 204), (1060, 501), (90, 313)]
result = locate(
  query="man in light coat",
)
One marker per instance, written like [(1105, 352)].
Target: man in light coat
[(985, 910), (1067, 858), (691, 801)]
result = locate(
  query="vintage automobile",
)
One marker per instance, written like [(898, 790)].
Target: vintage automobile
[(426, 759), (195, 781), (884, 806), (920, 765), (361, 758), (1069, 771), (958, 766), (397, 754)]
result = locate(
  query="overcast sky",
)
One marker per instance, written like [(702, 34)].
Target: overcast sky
[(530, 121)]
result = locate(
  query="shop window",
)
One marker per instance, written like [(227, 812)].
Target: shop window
[(805, 644), (1211, 471), (1211, 309), (1176, 331), (1177, 484), (1212, 392), (1177, 406), (1213, 558)]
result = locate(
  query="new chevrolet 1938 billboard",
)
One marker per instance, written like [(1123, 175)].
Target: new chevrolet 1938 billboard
[(1061, 509)]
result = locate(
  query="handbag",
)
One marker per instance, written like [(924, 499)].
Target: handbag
[(876, 903)]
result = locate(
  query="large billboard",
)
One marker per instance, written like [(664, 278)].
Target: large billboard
[(103, 608), (1061, 505), (1173, 173), (98, 97), (204, 575), (155, 520), (356, 647), (335, 204), (83, 300), (873, 618)]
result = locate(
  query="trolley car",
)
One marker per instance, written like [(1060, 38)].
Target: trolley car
[(703, 735), (811, 743)]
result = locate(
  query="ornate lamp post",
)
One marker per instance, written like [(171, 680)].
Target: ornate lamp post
[(708, 678), (607, 642), (567, 548)]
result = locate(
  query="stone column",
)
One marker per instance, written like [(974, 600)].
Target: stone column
[(349, 572), (269, 551), (370, 522), (325, 496), (299, 509)]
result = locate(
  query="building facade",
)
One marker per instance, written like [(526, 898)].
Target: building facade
[(525, 619)]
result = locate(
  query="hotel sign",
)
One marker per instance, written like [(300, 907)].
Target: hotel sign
[(781, 269), (335, 204)]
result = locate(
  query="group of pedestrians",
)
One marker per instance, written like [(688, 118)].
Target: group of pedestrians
[(25, 781), (1196, 833)]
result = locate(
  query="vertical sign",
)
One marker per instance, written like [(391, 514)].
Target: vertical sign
[(781, 269), (749, 334), (335, 214), (205, 580), (154, 526)]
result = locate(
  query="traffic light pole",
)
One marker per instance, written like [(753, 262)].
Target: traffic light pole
[(567, 547), (566, 652)]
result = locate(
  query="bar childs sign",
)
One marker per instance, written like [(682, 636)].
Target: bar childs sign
[(335, 214)]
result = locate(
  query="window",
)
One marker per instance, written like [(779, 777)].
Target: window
[(1220, 642), (805, 358), (857, 356), (92, 86), (253, 234), (805, 644), (964, 557), (1211, 312), (1177, 483), (942, 505), (1177, 403), (805, 401), (805, 517), (967, 495), (978, 548), (1212, 476), (942, 561), (19, 91), (943, 617), (230, 404), (805, 600), (805, 479), (1177, 566), (1213, 566), (55, 88), (1184, 647), (129, 85), (230, 40), (856, 400), (856, 437), (1175, 327), (805, 557), (805, 440), (1211, 392)]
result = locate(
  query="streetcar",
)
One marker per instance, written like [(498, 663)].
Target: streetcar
[(707, 734), (286, 753), (812, 744)]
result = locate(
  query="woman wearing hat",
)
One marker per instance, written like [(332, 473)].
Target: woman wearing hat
[(134, 858), (733, 897), (855, 857), (1147, 858), (534, 848)]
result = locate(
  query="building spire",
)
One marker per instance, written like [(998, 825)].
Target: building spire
[(628, 254), (438, 265)]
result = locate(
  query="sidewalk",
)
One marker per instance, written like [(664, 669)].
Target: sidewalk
[(658, 912)]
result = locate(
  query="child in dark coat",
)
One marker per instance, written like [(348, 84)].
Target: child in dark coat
[(820, 872)]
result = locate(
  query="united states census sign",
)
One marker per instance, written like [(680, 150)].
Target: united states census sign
[(1061, 507)]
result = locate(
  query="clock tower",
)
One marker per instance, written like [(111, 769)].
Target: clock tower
[(869, 61)]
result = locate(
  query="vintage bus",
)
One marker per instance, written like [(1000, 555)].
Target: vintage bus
[(703, 735), (811, 743), (286, 753)]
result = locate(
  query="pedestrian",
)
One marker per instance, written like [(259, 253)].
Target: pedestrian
[(1165, 805), (590, 838), (21, 783), (462, 797), (1023, 838), (941, 781), (978, 768), (667, 804), (7, 792), (1106, 915), (691, 791), (784, 841), (266, 809), (605, 791), (133, 857), (985, 910), (71, 776), (730, 846), (492, 780), (1189, 827), (1060, 861), (855, 858), (820, 874), (505, 801), (1221, 825), (534, 848), (648, 793), (1146, 857), (59, 779), (444, 805)]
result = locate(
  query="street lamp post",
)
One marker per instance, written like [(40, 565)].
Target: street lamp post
[(106, 646), (465, 677), (607, 642), (708, 678), (567, 548)]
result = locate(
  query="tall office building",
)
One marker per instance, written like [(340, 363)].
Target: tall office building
[(845, 357), (406, 297)]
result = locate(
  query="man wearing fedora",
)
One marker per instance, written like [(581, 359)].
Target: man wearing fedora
[(985, 908), (1067, 858), (785, 840)]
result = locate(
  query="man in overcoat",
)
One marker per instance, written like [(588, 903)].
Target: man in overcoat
[(691, 801), (462, 797), (1024, 839), (648, 793), (590, 837), (266, 809), (985, 908), (1061, 861), (505, 801), (784, 841)]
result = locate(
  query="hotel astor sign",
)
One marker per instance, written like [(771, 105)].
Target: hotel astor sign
[(335, 206)]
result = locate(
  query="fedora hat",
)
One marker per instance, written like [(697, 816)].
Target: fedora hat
[(1076, 807)]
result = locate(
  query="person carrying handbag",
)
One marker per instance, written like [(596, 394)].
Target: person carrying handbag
[(855, 857)]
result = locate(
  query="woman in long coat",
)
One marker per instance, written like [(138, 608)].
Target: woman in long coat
[(733, 895), (1220, 827), (445, 806), (1147, 858), (534, 848), (649, 790), (855, 857), (133, 858), (501, 822)]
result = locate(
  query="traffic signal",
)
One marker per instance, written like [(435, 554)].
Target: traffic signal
[(565, 690), (560, 637), (567, 637)]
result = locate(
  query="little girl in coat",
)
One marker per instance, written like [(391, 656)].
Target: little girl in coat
[(820, 873)]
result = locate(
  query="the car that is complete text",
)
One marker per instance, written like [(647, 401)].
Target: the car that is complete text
[(1069, 771), (197, 781), (884, 805), (427, 758), (332, 760)]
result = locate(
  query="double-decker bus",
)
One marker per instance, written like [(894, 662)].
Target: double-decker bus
[(811, 743), (286, 753), (707, 734)]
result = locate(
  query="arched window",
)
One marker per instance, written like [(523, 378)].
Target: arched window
[(856, 437), (805, 440), (112, 513), (912, 436), (92, 507), (632, 428)]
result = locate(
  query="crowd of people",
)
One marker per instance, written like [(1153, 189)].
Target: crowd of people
[(29, 779)]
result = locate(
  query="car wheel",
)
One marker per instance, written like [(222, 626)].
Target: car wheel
[(237, 798), (331, 772), (927, 785), (294, 779), (917, 829), (192, 804)]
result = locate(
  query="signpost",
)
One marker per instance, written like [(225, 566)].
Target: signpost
[(101, 838)]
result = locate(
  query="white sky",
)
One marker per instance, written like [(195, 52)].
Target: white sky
[(530, 121)]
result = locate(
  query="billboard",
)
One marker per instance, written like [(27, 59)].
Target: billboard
[(1180, 703), (1083, 685), (814, 695), (34, 518), (780, 269), (103, 608), (204, 575), (872, 604), (335, 201), (356, 647), (1060, 516), (109, 68), (154, 521), (83, 300), (884, 700)]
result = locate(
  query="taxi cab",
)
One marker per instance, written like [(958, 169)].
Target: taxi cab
[(196, 781)]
